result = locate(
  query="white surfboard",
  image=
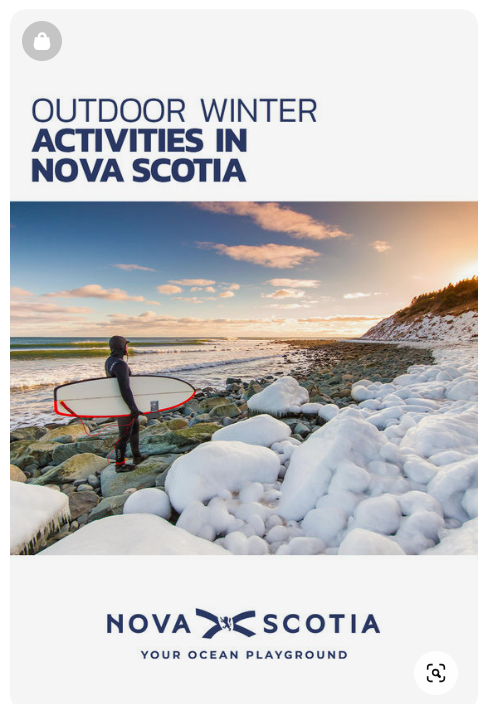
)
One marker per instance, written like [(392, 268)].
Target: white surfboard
[(101, 398)]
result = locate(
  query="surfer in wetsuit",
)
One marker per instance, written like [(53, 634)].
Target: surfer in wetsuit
[(115, 366)]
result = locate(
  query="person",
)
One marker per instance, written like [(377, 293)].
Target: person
[(115, 366)]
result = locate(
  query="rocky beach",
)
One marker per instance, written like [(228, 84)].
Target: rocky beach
[(63, 458)]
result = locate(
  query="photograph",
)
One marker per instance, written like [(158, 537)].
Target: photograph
[(244, 378)]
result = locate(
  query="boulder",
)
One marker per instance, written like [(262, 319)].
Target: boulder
[(29, 433), (201, 418), (177, 424), (24, 453), (98, 446), (82, 502), (110, 506), (226, 409), (75, 430), (188, 436), (133, 534), (208, 403), (152, 431), (63, 439), (64, 452), (76, 467), (35, 514), (191, 407), (161, 478), (253, 388), (153, 446), (16, 474), (115, 483)]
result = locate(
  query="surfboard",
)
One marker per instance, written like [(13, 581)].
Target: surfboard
[(101, 397)]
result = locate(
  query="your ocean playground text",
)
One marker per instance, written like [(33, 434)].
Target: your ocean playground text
[(68, 143)]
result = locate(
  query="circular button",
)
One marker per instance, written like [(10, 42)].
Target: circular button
[(436, 672), (42, 41)]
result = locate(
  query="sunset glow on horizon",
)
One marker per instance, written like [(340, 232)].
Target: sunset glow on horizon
[(230, 269)]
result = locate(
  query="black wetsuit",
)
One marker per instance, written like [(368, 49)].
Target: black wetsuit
[(115, 366)]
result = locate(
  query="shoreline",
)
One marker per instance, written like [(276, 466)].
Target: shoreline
[(327, 372)]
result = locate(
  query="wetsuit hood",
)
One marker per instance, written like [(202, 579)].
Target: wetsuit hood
[(118, 344)]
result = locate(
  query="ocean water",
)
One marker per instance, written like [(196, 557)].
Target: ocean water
[(207, 363)]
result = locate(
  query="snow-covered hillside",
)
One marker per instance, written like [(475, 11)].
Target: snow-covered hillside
[(451, 328)]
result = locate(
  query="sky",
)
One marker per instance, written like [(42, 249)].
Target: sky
[(229, 269)]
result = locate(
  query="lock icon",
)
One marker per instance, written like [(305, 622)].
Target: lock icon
[(42, 42)]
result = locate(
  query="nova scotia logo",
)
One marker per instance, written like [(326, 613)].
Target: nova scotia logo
[(226, 623)]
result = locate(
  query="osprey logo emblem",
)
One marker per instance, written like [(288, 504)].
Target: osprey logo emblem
[(226, 623)]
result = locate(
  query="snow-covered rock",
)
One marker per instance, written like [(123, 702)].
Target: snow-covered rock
[(403, 464), (239, 544), (451, 483), (419, 531), (283, 396), (438, 432), (302, 546), (214, 467), (132, 534), (325, 523), (345, 445), (149, 500), (380, 513), (35, 513), (366, 542), (461, 389), (311, 408), (258, 430), (429, 327), (328, 411), (457, 541), (205, 521)]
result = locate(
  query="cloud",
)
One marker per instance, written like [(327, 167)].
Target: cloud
[(194, 282), (193, 299), (294, 283), (381, 246), (361, 295), (278, 218), (130, 267), (210, 289), (284, 293), (19, 292), (270, 255), (234, 287), (35, 311), (226, 294), (95, 291), (168, 288), (341, 319), (149, 323), (153, 303), (289, 306)]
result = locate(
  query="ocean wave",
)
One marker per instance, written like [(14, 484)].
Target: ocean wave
[(159, 350), (54, 378), (222, 362), (31, 383)]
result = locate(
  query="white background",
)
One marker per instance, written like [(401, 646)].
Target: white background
[(396, 94), (397, 103)]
